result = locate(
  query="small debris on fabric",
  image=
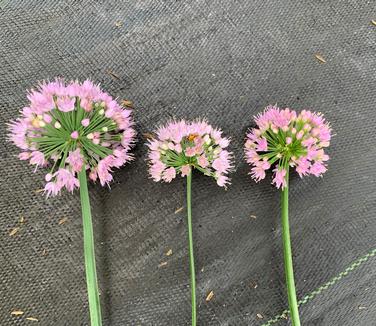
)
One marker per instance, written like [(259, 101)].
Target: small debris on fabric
[(17, 313), (209, 296), (22, 219), (37, 191), (259, 316), (362, 307), (202, 269), (32, 318), (44, 252), (127, 103), (162, 264), (285, 316), (179, 210), (63, 220), (253, 284), (373, 22), (253, 217), (14, 231), (148, 135), (112, 74), (169, 252), (320, 58), (119, 24)]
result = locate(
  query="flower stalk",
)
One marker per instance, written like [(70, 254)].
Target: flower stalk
[(177, 149), (89, 252), (191, 255), (287, 254)]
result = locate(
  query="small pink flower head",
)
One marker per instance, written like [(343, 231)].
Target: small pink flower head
[(284, 138), (74, 134), (181, 146), (66, 124), (85, 122)]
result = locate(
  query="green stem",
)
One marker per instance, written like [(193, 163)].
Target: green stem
[(191, 256), (91, 274), (291, 293)]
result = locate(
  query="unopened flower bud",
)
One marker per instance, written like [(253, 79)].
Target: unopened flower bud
[(75, 134)]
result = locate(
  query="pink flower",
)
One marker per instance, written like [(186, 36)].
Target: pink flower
[(156, 170), (287, 139), (202, 161), (303, 166), (65, 104), (258, 171), (222, 165), (65, 178), (85, 122), (190, 151), (128, 138), (18, 130), (169, 174), (185, 170), (51, 188), (48, 177), (317, 169), (180, 146), (74, 134), (262, 145), (104, 169), (93, 176), (37, 158), (280, 178), (24, 156), (47, 118), (75, 160), (222, 180), (99, 141)]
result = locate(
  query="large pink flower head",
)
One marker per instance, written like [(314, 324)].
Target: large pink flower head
[(180, 146), (68, 126), (284, 138)]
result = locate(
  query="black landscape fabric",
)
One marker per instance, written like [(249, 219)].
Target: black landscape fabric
[(223, 60)]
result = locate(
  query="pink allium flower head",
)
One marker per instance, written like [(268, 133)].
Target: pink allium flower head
[(285, 138), (66, 124), (180, 146)]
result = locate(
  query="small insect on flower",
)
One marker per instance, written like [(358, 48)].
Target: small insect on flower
[(68, 126), (180, 146), (286, 139)]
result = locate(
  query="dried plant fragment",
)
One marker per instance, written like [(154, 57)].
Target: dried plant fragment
[(17, 313), (320, 58), (209, 296)]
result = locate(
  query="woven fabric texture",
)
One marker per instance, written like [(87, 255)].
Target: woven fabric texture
[(223, 60)]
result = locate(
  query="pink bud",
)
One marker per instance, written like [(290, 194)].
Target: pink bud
[(24, 156), (47, 118), (74, 134), (288, 140), (48, 177), (85, 122)]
